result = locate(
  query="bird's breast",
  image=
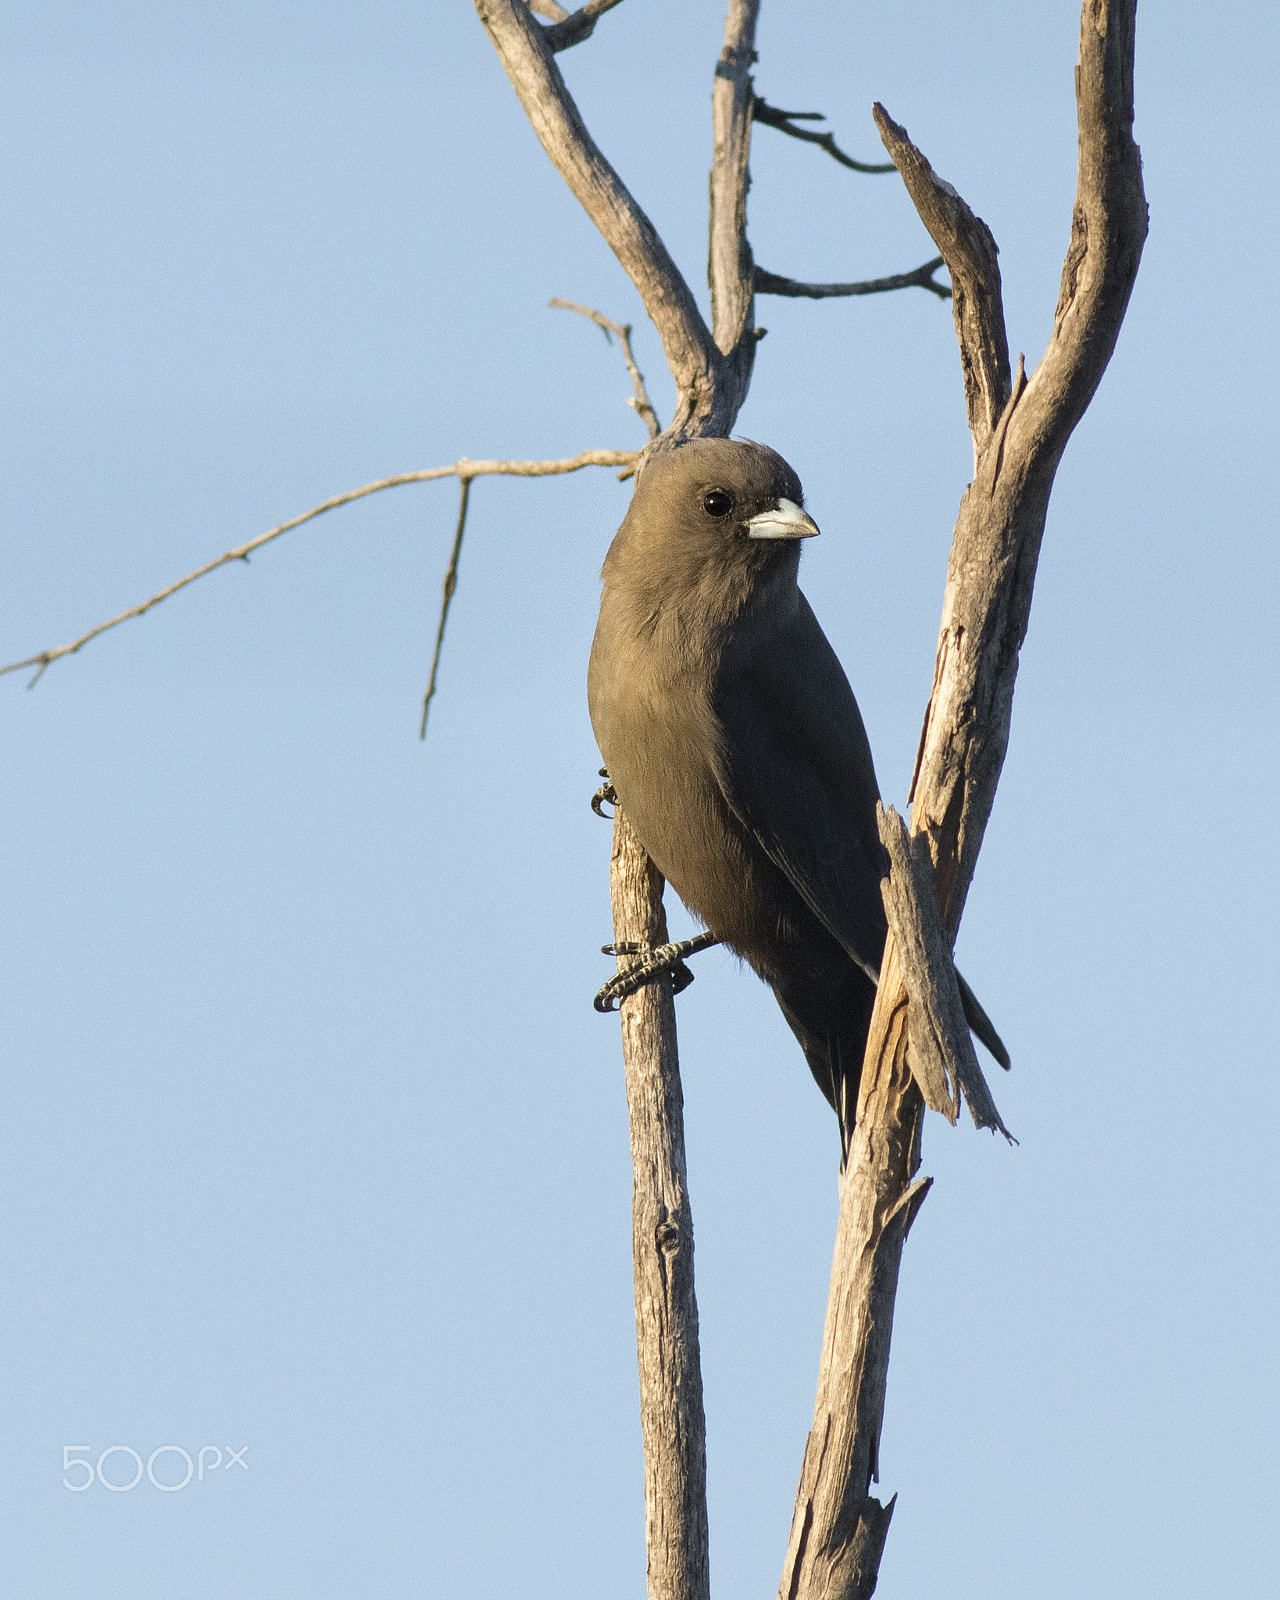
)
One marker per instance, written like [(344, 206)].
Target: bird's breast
[(652, 712)]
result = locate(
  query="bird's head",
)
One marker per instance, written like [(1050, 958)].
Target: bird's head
[(716, 516)]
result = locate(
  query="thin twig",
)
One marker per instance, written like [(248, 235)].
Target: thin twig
[(641, 404), (450, 584), (460, 469), (570, 29), (920, 278), (783, 120)]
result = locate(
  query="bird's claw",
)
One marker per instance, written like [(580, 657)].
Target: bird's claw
[(667, 958), (605, 795)]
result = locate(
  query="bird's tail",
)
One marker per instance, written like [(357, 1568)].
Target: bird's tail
[(980, 1023), (831, 1026)]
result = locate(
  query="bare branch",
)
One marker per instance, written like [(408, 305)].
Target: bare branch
[(671, 1412), (640, 403), (1018, 442), (920, 278), (686, 341), (446, 600), (460, 469), (548, 9), (784, 120), (571, 30), (997, 537), (729, 266), (970, 254)]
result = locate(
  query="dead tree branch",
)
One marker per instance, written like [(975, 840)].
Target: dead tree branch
[(686, 341), (671, 1413), (942, 1058), (460, 469), (572, 29), (730, 271), (971, 256), (921, 278), (711, 373), (640, 402), (1019, 432), (784, 122)]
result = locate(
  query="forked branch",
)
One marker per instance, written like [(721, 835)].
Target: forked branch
[(686, 341), (711, 369), (572, 28), (1019, 431)]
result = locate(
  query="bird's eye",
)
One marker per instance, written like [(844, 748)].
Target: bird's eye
[(717, 503)]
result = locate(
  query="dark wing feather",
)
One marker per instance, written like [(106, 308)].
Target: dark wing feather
[(796, 769)]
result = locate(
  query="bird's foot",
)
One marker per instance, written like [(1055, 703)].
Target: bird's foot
[(605, 795), (667, 958)]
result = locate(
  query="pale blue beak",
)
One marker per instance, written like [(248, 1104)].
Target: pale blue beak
[(786, 520)]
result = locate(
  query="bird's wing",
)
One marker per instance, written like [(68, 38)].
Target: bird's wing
[(796, 769)]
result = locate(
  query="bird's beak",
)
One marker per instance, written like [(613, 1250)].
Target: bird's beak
[(785, 521)]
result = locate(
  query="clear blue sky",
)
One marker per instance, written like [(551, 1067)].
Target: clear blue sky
[(312, 1142)]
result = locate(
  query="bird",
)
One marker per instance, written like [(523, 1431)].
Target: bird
[(735, 746)]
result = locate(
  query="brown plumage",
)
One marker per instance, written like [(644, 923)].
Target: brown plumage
[(734, 742)]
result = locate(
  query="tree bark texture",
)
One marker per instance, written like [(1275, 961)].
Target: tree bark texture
[(1019, 431), (671, 1414), (942, 1057), (730, 268)]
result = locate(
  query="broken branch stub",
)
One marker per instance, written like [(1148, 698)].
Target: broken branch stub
[(970, 254), (940, 1050)]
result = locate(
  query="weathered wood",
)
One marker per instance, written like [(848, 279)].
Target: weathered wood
[(711, 382), (730, 268), (988, 596), (686, 340), (711, 375), (997, 537), (1019, 431), (568, 30), (940, 1049), (970, 254), (671, 1414), (838, 1528)]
